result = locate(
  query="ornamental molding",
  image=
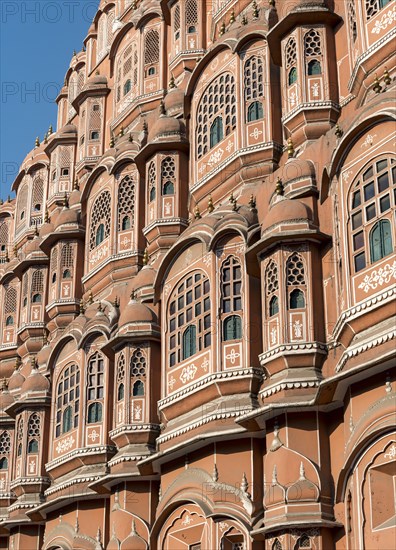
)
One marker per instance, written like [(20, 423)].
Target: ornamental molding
[(206, 420), (129, 458), (164, 221), (136, 99), (286, 349), (378, 277), (100, 449), (192, 388), (361, 348), (135, 427), (19, 506), (129, 254), (289, 385), (311, 105), (365, 306), (29, 481), (76, 480)]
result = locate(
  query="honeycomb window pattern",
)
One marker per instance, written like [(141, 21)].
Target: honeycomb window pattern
[(295, 270), (312, 44), (352, 20), (374, 6), (168, 175), (138, 364), (120, 376), (152, 180), (34, 425), (218, 100), (67, 256), (126, 203), (3, 237), (191, 15), (272, 281), (5, 443), (100, 214), (291, 53)]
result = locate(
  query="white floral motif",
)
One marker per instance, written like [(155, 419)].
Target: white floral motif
[(386, 20), (215, 157), (207, 260), (65, 444), (315, 90), (230, 146), (346, 175), (378, 277), (99, 254), (192, 43), (297, 327), (256, 133), (188, 373), (32, 467), (292, 98), (205, 364), (187, 520), (137, 412), (167, 288), (2, 484), (171, 382), (233, 356), (274, 334), (392, 452), (93, 436), (369, 140)]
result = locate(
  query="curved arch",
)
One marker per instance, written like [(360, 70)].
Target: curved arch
[(117, 39), (92, 180)]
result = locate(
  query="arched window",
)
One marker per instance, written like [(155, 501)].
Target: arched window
[(218, 101), (5, 449), (10, 305), (37, 197), (126, 203), (303, 542), (189, 308), (254, 87), (37, 288), (273, 306), (314, 67), (372, 199), (100, 216), (3, 463), (189, 341), (22, 198), (4, 236), (67, 400), (95, 121), (374, 6), (297, 300), (232, 328), (121, 377), (296, 284), (152, 181), (66, 274), (9, 321), (95, 388), (277, 545), (272, 288), (33, 446), (380, 240), (138, 388), (126, 73), (291, 60), (231, 286), (20, 436), (36, 299), (127, 87), (255, 111), (292, 76), (168, 176), (94, 413), (216, 131)]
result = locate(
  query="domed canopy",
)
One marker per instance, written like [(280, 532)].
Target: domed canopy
[(296, 169), (33, 246), (287, 210), (174, 100), (167, 127), (75, 197), (68, 129), (35, 382), (67, 216), (96, 81), (6, 398), (134, 541), (16, 380), (135, 312)]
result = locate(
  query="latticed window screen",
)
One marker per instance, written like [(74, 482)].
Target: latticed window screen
[(22, 205), (168, 176), (67, 257), (64, 159), (277, 545), (151, 47), (5, 443), (25, 286), (109, 28), (189, 318), (95, 388), (254, 74), (138, 373), (80, 80), (176, 19), (121, 377), (37, 193), (126, 203), (67, 400), (191, 15), (10, 301), (303, 542), (37, 281), (291, 53), (218, 100), (3, 236), (295, 277), (33, 433), (152, 180), (94, 120), (352, 20), (19, 437), (374, 6), (100, 215), (271, 288), (54, 263), (312, 43)]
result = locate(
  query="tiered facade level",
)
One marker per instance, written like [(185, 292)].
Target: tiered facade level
[(197, 285)]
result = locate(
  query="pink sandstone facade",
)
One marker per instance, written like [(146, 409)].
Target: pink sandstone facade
[(197, 283)]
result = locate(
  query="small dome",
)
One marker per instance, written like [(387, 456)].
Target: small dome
[(16, 381), (69, 129), (167, 127), (67, 216), (35, 382), (6, 398), (43, 355), (134, 541), (174, 101), (96, 81), (296, 169), (33, 246), (75, 197), (46, 229), (287, 210), (136, 312), (145, 277)]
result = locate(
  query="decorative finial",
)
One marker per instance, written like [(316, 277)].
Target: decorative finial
[(222, 29), (82, 307), (116, 302), (130, 138), (338, 131), (160, 492), (387, 78), (98, 535), (276, 442), (172, 84), (84, 48), (210, 204), (244, 20), (90, 298), (65, 201), (45, 138), (133, 295), (33, 362), (252, 203), (3, 384), (377, 86), (162, 108), (46, 216), (145, 257), (186, 462), (76, 526), (116, 505), (255, 11), (388, 384), (133, 532), (100, 307), (302, 472), (18, 363), (121, 131), (232, 17), (244, 484), (37, 142), (74, 52), (279, 187), (112, 142), (134, 5), (50, 130), (271, 3), (15, 249), (197, 213), (215, 474), (290, 148)]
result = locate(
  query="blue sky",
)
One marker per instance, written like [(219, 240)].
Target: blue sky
[(37, 39)]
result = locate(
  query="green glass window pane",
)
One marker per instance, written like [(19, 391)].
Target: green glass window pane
[(369, 191), (368, 174), (383, 182), (370, 212), (360, 261), (356, 201), (357, 220), (358, 240), (385, 203)]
